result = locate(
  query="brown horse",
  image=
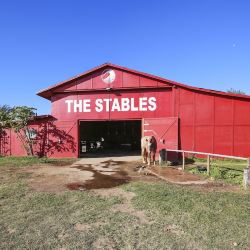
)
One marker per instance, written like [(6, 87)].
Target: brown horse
[(148, 149)]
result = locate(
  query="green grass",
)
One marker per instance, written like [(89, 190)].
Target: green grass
[(33, 220), (210, 220), (31, 161), (229, 171)]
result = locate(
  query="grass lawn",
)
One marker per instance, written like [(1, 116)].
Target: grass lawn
[(230, 171), (178, 217), (30, 161)]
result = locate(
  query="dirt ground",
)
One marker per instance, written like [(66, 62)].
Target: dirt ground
[(92, 173), (104, 173)]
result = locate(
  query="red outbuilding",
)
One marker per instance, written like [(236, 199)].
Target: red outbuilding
[(111, 107)]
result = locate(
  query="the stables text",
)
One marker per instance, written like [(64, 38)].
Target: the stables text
[(112, 104)]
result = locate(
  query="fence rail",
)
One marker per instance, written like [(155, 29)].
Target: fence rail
[(246, 175), (203, 153)]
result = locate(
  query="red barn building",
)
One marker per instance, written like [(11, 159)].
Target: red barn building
[(120, 105)]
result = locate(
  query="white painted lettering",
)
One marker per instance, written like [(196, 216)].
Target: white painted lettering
[(143, 104), (86, 105), (77, 106), (116, 105), (125, 105), (133, 107), (107, 101), (98, 105), (112, 105), (69, 102), (152, 103)]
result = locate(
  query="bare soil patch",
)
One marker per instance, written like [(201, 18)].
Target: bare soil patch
[(175, 175), (54, 178), (174, 229), (126, 206), (104, 243), (107, 173)]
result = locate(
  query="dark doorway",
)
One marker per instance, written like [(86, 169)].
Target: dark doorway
[(109, 137)]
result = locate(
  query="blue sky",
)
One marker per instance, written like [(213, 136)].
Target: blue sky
[(200, 43)]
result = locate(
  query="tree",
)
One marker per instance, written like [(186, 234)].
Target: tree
[(236, 91), (4, 117), (20, 117), (4, 124)]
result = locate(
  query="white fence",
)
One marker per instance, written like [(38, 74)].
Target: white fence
[(246, 174)]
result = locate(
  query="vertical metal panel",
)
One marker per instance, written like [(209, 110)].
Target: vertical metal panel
[(5, 143), (97, 80), (242, 112), (223, 137), (221, 123), (186, 96), (59, 107), (67, 87), (16, 146), (204, 109), (242, 140), (70, 128), (186, 112), (147, 82), (203, 137), (186, 137), (223, 111), (84, 83), (130, 80)]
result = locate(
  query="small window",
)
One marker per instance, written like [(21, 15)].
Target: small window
[(31, 133)]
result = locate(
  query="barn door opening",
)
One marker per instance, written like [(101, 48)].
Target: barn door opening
[(165, 130), (110, 137)]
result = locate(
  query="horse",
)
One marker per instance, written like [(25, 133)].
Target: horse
[(148, 149)]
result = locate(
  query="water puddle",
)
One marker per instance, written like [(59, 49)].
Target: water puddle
[(106, 176)]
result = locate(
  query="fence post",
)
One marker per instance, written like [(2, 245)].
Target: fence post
[(183, 160), (246, 175), (248, 163), (208, 164)]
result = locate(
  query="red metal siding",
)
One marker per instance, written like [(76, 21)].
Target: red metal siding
[(68, 142), (123, 79), (5, 142), (223, 111), (223, 139), (203, 139), (204, 110), (212, 123), (84, 83), (241, 112), (119, 90), (242, 140), (130, 80)]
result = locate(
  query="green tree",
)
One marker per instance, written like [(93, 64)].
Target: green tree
[(4, 124), (236, 91), (20, 117), (4, 117)]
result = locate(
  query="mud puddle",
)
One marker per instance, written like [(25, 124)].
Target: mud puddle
[(105, 175)]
